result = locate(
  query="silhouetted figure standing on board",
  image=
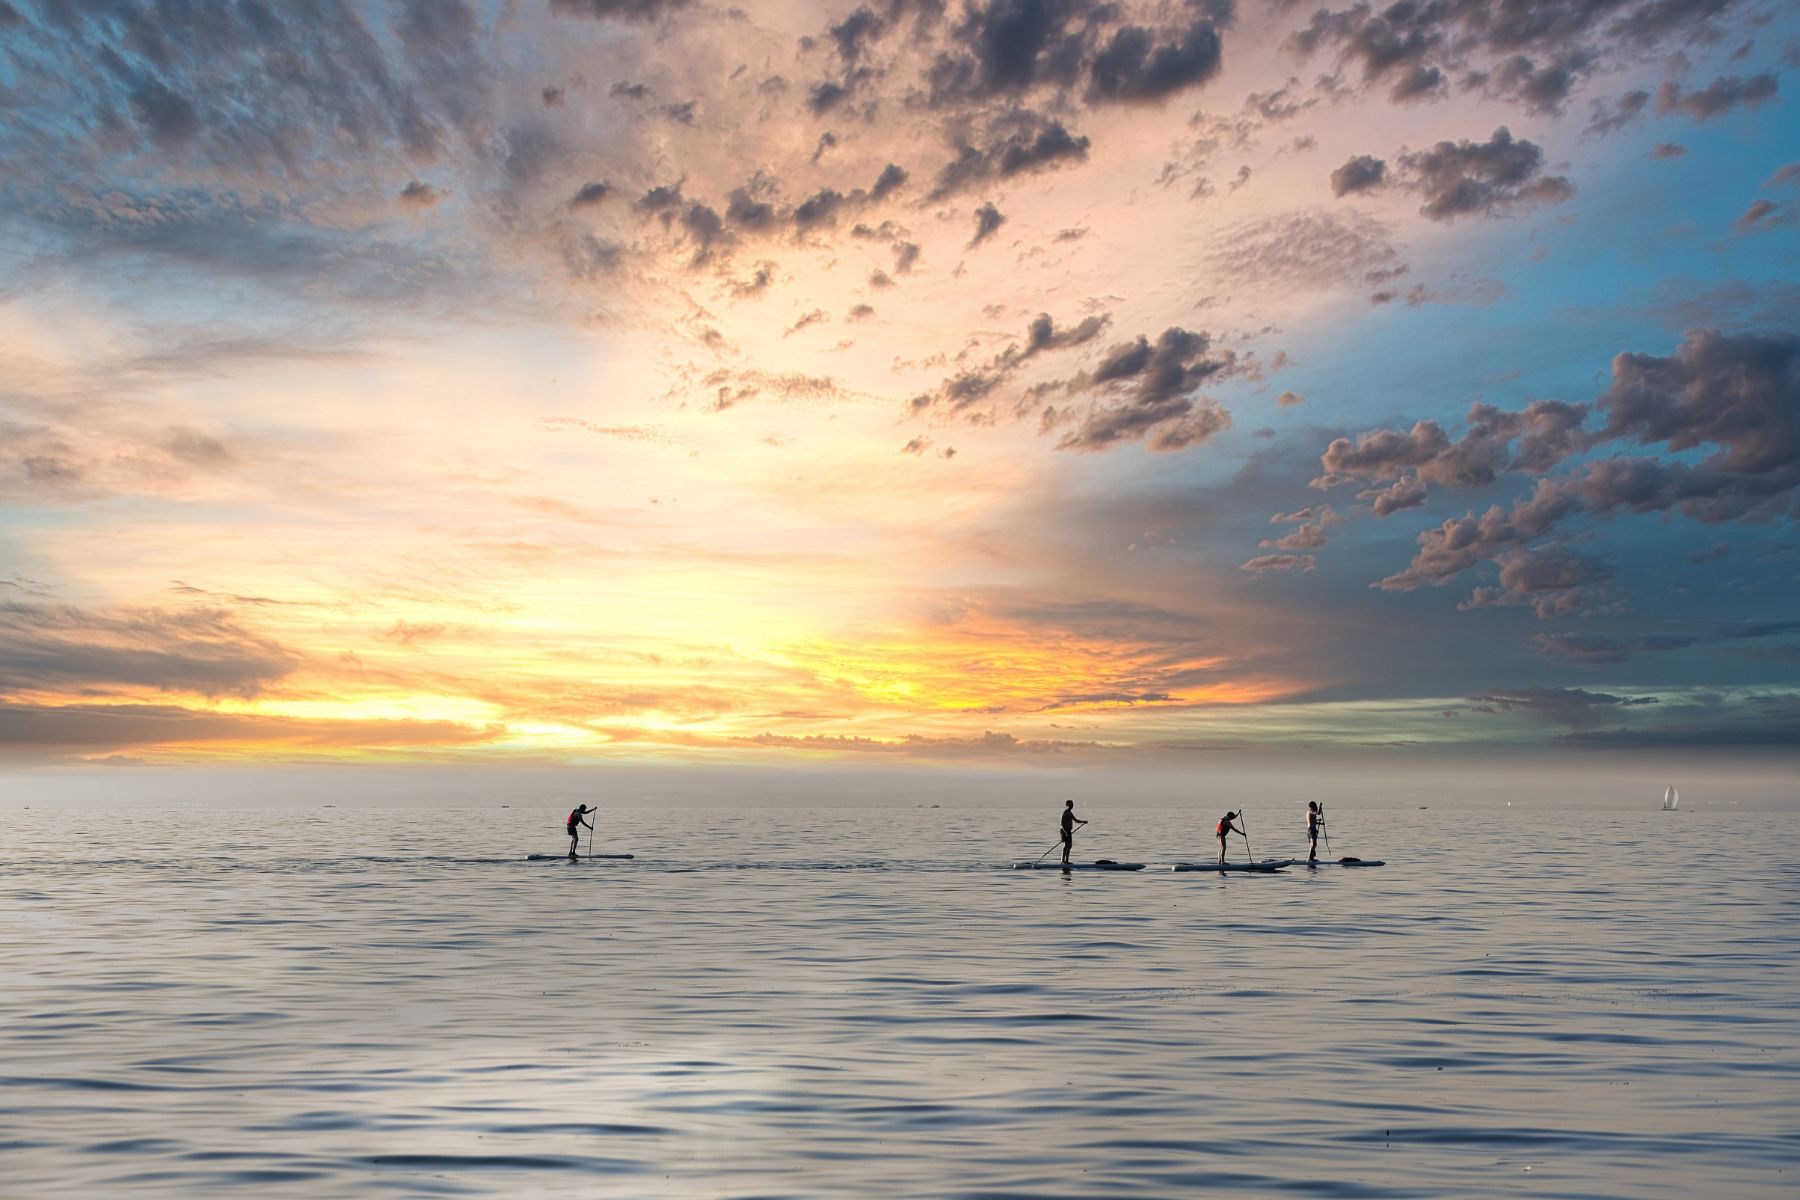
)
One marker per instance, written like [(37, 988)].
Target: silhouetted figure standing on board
[(1226, 827), (574, 823), (1315, 820), (1069, 822)]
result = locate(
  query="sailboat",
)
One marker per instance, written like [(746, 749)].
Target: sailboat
[(1671, 799)]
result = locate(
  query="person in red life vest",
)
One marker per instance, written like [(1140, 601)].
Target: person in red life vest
[(1226, 827), (1069, 822), (574, 823), (1314, 821)]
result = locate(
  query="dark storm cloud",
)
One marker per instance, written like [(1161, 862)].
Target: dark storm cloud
[(1359, 174), (1466, 178), (1717, 98), (46, 647)]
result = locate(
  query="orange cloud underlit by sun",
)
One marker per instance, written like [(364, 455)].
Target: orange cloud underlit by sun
[(985, 666)]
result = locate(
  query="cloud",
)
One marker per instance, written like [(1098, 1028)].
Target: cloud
[(1307, 249), (1591, 650), (1005, 48), (1594, 650), (1041, 336), (1309, 536), (1738, 397), (1018, 142), (1481, 178), (988, 220), (1264, 563), (1155, 382), (418, 195), (620, 10), (1573, 707), (892, 178), (815, 317), (1554, 583), (1624, 112), (1762, 214), (1360, 174), (589, 194), (1719, 97), (1533, 440), (95, 728), (1411, 47), (1133, 68), (1408, 491), (46, 648), (1542, 90)]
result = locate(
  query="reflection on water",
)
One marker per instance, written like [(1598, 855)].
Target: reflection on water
[(377, 1003)]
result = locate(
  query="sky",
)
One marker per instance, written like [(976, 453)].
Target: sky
[(1005, 382)]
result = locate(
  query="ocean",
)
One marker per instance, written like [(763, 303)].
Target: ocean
[(862, 999)]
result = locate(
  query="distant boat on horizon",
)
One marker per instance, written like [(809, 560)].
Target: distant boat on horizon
[(1671, 799)]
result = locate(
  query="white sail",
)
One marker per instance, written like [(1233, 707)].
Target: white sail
[(1671, 799)]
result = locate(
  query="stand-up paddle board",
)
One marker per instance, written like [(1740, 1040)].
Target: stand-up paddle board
[(1267, 864), (1105, 864), (548, 857)]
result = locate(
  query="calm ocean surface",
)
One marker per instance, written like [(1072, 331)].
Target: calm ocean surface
[(379, 1002)]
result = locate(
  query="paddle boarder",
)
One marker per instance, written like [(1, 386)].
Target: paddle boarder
[(574, 823), (1069, 822), (1315, 821), (1226, 828)]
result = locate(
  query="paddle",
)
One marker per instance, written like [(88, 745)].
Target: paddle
[(590, 839), (1040, 858), (1244, 828), (1322, 828)]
